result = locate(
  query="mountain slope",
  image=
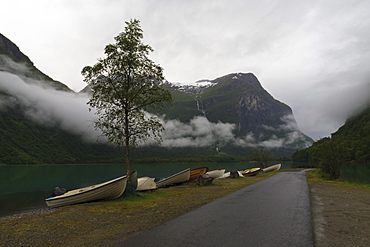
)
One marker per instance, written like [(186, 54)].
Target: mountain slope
[(12, 60), (353, 136), (26, 142)]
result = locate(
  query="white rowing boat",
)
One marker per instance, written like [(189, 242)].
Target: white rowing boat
[(216, 173), (179, 177), (272, 168), (146, 183), (109, 190), (227, 174)]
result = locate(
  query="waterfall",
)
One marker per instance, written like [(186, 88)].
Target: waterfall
[(200, 105)]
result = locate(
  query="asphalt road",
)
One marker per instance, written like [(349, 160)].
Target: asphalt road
[(272, 212)]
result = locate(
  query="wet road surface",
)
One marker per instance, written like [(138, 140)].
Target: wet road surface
[(272, 212)]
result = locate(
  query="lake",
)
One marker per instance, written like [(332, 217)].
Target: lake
[(356, 173)]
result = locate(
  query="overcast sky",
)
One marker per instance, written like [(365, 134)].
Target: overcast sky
[(312, 55)]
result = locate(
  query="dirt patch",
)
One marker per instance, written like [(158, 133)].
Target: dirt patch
[(341, 215)]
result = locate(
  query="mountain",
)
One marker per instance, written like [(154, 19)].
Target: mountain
[(12, 60), (353, 137), (43, 121), (239, 99)]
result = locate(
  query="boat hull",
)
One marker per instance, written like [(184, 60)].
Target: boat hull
[(216, 173), (179, 177), (251, 172), (109, 190), (194, 173), (227, 174), (272, 168), (146, 183)]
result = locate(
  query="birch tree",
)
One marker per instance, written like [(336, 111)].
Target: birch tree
[(125, 85)]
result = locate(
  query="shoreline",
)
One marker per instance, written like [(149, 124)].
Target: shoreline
[(340, 215), (34, 212)]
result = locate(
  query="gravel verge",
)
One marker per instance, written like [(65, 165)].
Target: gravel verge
[(341, 215)]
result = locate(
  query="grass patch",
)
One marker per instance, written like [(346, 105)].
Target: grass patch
[(317, 175)]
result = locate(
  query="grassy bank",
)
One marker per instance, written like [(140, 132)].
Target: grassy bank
[(108, 223), (317, 175)]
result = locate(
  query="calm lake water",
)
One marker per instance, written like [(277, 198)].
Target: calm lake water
[(25, 187)]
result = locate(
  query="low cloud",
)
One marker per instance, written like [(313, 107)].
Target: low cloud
[(293, 135), (199, 132), (48, 106)]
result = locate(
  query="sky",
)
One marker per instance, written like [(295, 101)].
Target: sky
[(311, 55)]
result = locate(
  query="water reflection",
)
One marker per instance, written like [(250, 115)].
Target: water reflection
[(356, 173)]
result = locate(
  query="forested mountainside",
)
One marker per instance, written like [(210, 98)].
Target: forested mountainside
[(352, 141)]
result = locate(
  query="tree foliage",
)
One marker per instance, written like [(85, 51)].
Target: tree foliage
[(125, 85), (351, 143), (262, 156), (330, 153)]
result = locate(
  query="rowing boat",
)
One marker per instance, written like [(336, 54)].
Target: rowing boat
[(108, 190), (194, 173), (250, 172), (146, 183), (272, 168), (216, 173), (227, 174), (179, 177)]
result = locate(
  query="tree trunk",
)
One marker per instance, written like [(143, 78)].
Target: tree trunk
[(127, 145), (128, 172)]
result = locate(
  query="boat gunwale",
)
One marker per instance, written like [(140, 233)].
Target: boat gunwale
[(216, 169)]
